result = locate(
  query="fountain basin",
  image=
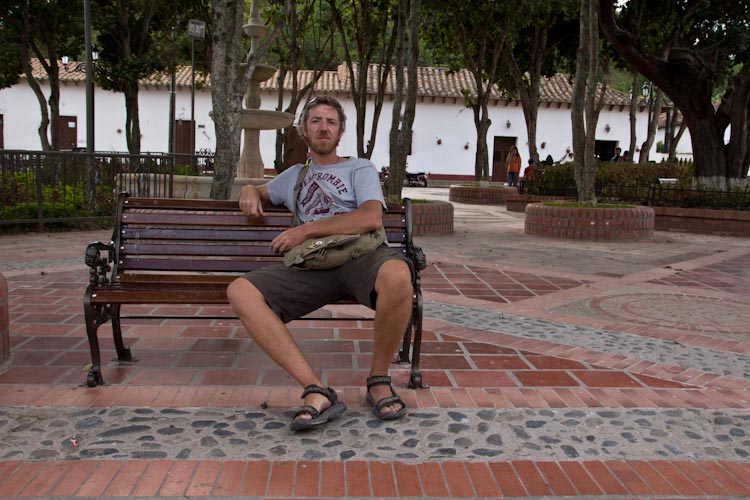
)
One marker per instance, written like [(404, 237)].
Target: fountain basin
[(265, 119), (262, 72)]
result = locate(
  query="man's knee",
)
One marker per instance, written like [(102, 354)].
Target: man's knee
[(394, 278), (241, 292)]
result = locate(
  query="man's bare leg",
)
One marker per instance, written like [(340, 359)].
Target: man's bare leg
[(392, 314), (273, 337)]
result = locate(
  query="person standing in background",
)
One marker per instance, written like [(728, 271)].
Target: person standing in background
[(617, 157), (513, 166)]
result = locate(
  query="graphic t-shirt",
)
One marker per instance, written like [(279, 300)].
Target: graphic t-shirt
[(328, 189)]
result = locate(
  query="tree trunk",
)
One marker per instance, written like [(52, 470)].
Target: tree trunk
[(738, 149), (655, 106), (226, 92), (584, 110), (397, 167), (481, 158), (529, 92), (132, 122), (674, 137), (44, 123), (632, 115), (365, 29), (26, 65)]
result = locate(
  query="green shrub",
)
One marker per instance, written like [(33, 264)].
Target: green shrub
[(559, 179)]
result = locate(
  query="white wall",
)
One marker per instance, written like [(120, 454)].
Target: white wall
[(451, 123)]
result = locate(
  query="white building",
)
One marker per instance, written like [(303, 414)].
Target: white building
[(444, 134)]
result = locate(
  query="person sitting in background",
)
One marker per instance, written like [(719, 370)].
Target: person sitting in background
[(528, 174), (617, 157)]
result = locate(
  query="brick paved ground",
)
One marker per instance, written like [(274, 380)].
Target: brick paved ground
[(604, 370)]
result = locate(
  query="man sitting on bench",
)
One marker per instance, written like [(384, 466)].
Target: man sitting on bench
[(339, 195)]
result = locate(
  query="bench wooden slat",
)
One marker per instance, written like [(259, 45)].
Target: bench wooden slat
[(194, 265), (217, 249), (169, 292), (165, 279), (203, 219), (128, 296), (199, 233)]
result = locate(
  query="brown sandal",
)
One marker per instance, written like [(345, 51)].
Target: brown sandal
[(318, 417), (377, 407)]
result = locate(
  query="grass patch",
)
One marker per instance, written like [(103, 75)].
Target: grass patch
[(583, 205)]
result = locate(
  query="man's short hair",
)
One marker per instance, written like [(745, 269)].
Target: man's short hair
[(320, 100)]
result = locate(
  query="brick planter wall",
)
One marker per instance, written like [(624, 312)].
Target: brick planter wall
[(518, 202), (595, 224), (480, 195), (703, 221), (4, 321), (433, 217)]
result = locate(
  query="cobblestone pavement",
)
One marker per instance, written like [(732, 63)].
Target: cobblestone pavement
[(436, 434), (656, 350), (557, 369)]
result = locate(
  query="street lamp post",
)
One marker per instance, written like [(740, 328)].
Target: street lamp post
[(91, 168), (89, 78), (196, 31)]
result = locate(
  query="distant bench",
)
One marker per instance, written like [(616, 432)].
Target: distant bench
[(178, 251)]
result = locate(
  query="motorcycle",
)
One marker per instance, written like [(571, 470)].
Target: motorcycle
[(411, 179)]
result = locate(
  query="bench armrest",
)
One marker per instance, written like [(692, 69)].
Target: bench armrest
[(100, 266), (417, 257)]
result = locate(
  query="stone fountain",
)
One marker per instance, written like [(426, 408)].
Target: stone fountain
[(254, 119)]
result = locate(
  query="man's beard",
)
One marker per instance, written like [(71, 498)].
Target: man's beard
[(323, 148)]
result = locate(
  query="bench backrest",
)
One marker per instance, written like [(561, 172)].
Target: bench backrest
[(165, 236)]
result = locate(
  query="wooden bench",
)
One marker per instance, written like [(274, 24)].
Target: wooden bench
[(177, 251)]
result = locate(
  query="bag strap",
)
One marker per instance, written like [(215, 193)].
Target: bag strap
[(298, 188)]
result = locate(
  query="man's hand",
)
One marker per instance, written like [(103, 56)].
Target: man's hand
[(288, 239), (251, 201)]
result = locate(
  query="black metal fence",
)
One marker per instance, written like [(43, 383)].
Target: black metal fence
[(45, 188)]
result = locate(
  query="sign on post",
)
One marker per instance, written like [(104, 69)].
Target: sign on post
[(197, 29)]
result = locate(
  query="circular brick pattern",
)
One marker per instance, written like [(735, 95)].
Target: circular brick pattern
[(480, 195), (586, 223), (432, 217), (711, 316)]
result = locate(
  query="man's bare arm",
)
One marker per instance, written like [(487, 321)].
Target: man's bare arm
[(367, 217), (252, 199)]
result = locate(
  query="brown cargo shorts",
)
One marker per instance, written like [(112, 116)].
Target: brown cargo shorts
[(292, 293)]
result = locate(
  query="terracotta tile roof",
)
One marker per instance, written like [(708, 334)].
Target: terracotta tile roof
[(434, 82), (75, 71)]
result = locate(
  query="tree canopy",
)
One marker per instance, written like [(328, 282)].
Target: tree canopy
[(689, 49)]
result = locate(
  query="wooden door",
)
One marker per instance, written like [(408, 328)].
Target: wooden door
[(501, 146), (184, 130), (67, 130)]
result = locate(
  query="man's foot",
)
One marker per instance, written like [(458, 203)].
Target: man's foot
[(309, 416), (386, 405)]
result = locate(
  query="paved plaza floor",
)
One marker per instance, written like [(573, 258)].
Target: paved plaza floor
[(555, 369)]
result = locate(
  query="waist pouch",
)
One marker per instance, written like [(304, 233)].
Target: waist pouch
[(327, 252)]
